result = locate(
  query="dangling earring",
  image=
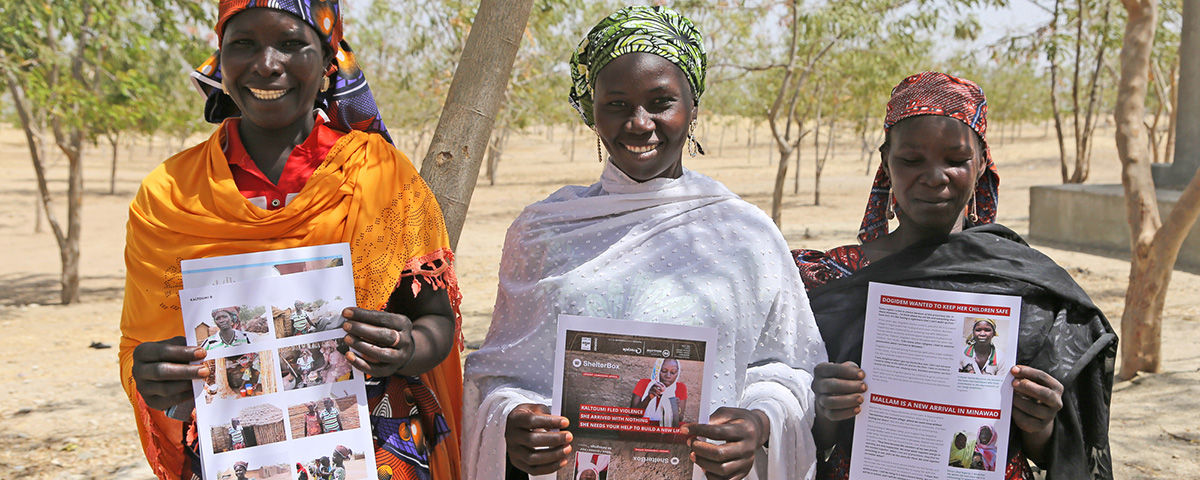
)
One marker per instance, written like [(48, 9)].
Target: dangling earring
[(693, 145), (599, 152), (971, 210), (325, 83), (889, 212)]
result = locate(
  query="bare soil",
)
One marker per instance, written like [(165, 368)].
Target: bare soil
[(63, 413)]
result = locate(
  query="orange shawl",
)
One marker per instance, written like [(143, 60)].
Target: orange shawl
[(366, 193)]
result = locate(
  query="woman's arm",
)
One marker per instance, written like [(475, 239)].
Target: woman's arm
[(412, 337)]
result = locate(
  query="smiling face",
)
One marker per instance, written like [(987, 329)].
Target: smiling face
[(934, 162), (643, 106), (669, 372), (272, 63), (983, 333), (588, 474)]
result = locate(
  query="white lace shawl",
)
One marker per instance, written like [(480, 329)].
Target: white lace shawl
[(679, 251)]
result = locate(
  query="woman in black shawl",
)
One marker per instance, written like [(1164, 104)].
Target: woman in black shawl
[(938, 179)]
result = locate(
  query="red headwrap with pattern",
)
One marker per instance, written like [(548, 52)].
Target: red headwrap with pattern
[(935, 93)]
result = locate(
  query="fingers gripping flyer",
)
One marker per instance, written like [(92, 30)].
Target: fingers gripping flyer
[(938, 367), (281, 401), (626, 388)]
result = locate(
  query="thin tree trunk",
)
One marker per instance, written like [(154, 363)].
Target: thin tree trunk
[(816, 145), (750, 142), (452, 163), (1080, 15), (1083, 160), (721, 143), (1141, 321), (1058, 127), (37, 153), (777, 193), (573, 129), (112, 175), (820, 162), (1170, 147)]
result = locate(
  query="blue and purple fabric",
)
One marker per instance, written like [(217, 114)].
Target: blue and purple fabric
[(348, 101), (406, 423)]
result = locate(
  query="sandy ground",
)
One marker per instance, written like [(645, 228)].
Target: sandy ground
[(63, 413)]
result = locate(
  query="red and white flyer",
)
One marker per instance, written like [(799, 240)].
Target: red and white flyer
[(938, 371), (626, 388)]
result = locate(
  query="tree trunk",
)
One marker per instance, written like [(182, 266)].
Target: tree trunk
[(816, 143), (37, 153), (495, 151), (1186, 157), (573, 129), (1084, 156), (777, 193), (1058, 128), (1169, 150), (820, 162), (451, 165), (1141, 321), (750, 142), (799, 156), (112, 175), (1080, 14)]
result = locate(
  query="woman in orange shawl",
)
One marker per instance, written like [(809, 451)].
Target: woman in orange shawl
[(301, 158)]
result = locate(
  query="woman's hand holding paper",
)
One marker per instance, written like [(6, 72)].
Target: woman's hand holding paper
[(839, 388), (163, 371), (743, 431), (1037, 398), (533, 444)]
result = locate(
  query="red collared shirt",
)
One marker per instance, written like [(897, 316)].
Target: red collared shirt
[(301, 163)]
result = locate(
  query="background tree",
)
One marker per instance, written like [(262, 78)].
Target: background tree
[(1154, 242), (58, 64), (451, 165), (1078, 43)]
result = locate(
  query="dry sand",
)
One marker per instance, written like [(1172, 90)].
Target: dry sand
[(63, 413)]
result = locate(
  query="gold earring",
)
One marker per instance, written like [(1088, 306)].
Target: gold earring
[(325, 83), (599, 154), (693, 145), (971, 210)]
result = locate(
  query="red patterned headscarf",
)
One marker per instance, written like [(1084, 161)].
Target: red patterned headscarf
[(935, 93), (348, 101)]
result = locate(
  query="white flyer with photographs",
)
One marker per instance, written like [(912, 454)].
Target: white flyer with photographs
[(626, 388), (939, 377), (282, 400)]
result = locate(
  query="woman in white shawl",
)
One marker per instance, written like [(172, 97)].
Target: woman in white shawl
[(653, 242), (661, 396)]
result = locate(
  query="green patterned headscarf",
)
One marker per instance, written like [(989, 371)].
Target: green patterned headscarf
[(658, 30)]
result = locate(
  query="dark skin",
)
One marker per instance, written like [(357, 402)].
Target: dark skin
[(273, 63), (644, 102), (934, 162), (643, 105), (163, 370), (267, 53)]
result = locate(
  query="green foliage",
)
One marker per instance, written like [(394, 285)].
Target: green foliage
[(103, 67)]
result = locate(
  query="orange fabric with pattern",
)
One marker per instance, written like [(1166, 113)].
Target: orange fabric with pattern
[(365, 193)]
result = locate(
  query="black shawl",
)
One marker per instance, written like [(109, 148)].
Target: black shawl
[(1062, 332)]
